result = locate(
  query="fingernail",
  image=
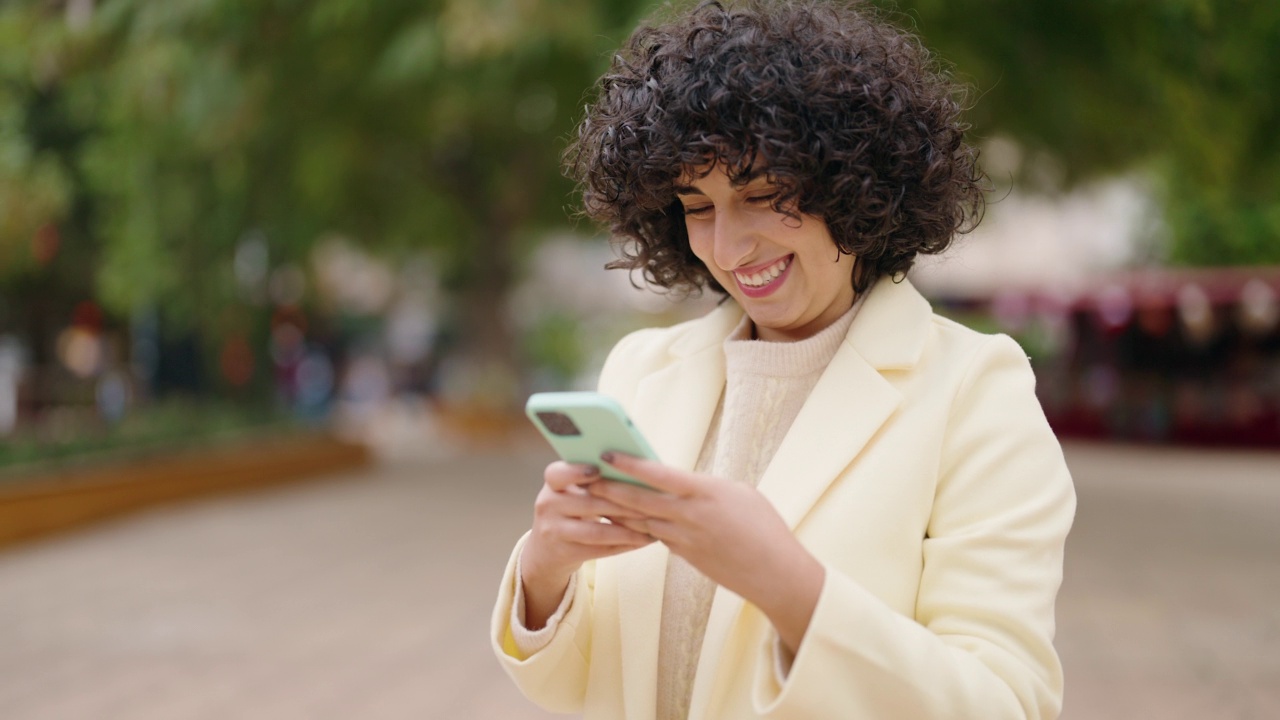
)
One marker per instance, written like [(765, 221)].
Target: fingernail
[(607, 457), (590, 471)]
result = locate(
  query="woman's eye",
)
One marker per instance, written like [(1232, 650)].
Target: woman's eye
[(765, 199), (699, 211)]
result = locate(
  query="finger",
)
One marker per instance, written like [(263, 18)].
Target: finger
[(668, 532), (636, 499), (590, 507), (587, 532), (607, 550), (576, 504), (657, 528), (640, 525), (561, 476), (654, 474)]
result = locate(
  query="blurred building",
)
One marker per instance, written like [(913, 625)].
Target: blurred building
[(1161, 355)]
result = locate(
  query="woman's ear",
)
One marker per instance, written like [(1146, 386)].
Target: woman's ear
[(856, 277)]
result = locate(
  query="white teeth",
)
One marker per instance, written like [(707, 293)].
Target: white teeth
[(765, 276)]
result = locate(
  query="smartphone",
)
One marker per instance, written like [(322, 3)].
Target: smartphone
[(582, 425)]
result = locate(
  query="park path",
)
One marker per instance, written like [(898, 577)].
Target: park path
[(367, 596)]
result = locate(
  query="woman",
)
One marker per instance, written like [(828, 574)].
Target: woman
[(862, 509)]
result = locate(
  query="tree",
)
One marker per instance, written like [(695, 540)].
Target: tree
[(47, 250), (396, 124), (1182, 88), (148, 139)]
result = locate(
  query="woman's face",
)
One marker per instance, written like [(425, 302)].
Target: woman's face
[(785, 272)]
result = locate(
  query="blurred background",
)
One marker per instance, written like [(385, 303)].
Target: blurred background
[(243, 241)]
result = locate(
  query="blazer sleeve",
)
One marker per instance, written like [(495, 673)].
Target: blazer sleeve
[(555, 677), (981, 644)]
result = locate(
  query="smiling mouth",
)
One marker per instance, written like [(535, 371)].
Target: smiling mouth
[(762, 277)]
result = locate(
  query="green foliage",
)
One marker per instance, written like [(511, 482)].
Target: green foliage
[(396, 124), (156, 135), (555, 345), (34, 188), (78, 433), (1184, 88)]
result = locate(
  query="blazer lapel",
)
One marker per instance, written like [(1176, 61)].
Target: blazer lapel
[(851, 401), (641, 575), (717, 642), (672, 408)]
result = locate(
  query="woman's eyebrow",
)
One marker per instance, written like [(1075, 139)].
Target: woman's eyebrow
[(750, 179)]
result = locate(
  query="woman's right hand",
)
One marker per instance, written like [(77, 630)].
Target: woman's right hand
[(570, 526)]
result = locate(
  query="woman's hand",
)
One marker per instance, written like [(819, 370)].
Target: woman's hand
[(567, 531), (728, 531)]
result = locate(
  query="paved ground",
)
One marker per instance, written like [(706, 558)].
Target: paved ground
[(1171, 604), (367, 597)]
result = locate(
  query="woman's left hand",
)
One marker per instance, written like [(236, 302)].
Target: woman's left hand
[(727, 530)]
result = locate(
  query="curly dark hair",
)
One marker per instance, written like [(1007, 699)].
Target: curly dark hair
[(851, 117)]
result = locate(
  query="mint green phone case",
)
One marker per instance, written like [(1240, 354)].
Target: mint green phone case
[(596, 423)]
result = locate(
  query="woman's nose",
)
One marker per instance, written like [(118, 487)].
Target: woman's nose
[(733, 242)]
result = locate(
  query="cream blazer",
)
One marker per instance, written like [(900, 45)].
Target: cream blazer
[(920, 472)]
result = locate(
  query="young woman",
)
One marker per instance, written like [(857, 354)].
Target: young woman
[(862, 509)]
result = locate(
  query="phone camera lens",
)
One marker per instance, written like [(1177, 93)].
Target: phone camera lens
[(558, 423)]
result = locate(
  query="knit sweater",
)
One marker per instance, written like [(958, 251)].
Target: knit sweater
[(766, 384)]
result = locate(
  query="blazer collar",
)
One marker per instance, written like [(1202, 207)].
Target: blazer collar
[(674, 404), (892, 326), (851, 400), (709, 331)]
